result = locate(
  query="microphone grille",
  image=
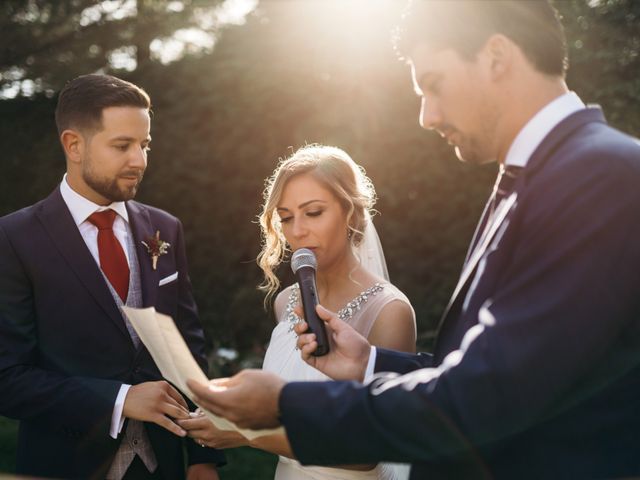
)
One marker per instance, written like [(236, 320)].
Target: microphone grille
[(303, 257)]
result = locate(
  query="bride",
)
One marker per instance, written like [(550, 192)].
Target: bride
[(318, 198)]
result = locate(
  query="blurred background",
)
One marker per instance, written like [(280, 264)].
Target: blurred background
[(238, 84)]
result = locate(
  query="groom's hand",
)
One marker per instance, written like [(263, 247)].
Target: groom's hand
[(248, 399), (349, 351), (155, 402)]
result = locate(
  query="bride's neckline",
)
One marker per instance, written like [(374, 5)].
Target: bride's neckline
[(345, 313)]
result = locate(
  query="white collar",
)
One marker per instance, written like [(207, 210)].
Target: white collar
[(539, 126), (81, 207)]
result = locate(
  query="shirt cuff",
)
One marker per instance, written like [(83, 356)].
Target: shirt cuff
[(371, 364), (117, 420)]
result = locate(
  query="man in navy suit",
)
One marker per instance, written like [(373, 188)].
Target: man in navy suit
[(90, 400), (536, 367)]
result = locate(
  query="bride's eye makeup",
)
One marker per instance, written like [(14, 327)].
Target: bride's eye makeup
[(315, 213)]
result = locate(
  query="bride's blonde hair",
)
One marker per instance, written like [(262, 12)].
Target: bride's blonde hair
[(339, 174)]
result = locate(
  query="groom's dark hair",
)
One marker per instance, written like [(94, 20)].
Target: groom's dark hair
[(82, 100), (465, 26)]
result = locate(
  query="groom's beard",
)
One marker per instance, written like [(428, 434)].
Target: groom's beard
[(117, 189)]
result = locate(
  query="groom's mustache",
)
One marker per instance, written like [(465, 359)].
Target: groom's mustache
[(137, 174), (446, 130)]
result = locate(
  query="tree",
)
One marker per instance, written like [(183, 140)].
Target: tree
[(604, 52), (307, 71), (46, 42)]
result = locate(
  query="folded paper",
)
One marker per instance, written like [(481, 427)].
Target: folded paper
[(168, 349)]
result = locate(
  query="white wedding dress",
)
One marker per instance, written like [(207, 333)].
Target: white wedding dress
[(284, 359)]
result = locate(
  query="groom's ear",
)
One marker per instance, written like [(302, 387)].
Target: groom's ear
[(72, 143), (500, 51)]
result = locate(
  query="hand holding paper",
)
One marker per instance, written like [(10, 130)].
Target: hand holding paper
[(172, 356), (250, 398)]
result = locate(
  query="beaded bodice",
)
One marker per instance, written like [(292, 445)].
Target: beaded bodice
[(283, 358), (345, 314)]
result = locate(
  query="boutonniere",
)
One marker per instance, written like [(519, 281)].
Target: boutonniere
[(156, 247)]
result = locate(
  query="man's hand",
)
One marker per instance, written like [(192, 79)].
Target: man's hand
[(349, 351), (202, 471), (205, 433), (248, 399), (155, 402)]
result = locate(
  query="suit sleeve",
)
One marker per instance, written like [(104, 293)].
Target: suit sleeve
[(562, 327), (401, 362), (29, 391), (190, 327)]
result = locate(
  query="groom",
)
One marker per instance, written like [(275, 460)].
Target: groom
[(536, 367), (91, 401)]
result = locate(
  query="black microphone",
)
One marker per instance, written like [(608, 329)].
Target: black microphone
[(303, 264)]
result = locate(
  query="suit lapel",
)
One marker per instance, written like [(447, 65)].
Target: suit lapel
[(480, 229), (142, 229), (483, 242), (66, 237)]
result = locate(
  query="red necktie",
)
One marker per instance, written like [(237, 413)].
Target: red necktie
[(112, 259)]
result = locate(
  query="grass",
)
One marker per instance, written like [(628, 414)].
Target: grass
[(243, 463), (8, 439), (248, 463)]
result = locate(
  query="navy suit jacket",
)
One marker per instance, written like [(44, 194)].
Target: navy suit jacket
[(64, 347), (536, 368)]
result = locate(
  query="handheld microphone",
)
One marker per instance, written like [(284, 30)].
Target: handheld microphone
[(303, 264)]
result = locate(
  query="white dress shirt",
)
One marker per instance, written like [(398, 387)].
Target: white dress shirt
[(539, 126), (81, 208), (526, 142)]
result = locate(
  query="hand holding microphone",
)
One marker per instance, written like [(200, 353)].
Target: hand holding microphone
[(303, 264), (349, 353)]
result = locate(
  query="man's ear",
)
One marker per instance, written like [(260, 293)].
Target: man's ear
[(72, 144), (499, 50)]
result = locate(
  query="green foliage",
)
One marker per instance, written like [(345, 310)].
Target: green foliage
[(245, 463), (284, 79), (604, 46), (49, 42)]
